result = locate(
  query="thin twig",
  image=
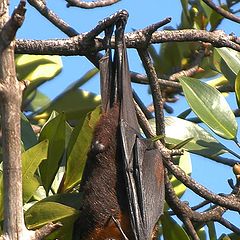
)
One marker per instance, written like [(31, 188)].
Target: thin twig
[(142, 79), (180, 209), (147, 113), (46, 230), (53, 17), (200, 205), (191, 70), (229, 225), (92, 4), (156, 91), (222, 11)]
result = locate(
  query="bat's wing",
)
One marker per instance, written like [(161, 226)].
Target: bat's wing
[(144, 180), (143, 164), (108, 81)]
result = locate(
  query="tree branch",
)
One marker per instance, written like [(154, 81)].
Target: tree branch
[(77, 45), (93, 4), (222, 11), (156, 92), (53, 18), (14, 227)]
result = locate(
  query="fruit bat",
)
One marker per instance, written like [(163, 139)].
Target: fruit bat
[(123, 179)]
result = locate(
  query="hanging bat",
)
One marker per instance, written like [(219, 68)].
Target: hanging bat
[(122, 184)]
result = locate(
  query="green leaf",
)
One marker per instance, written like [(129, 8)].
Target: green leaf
[(54, 131), (73, 200), (171, 229), (178, 130), (231, 236), (185, 8), (231, 58), (212, 231), (202, 234), (30, 162), (77, 152), (36, 101), (75, 102), (237, 89), (210, 106), (37, 67), (45, 212), (1, 196), (28, 136), (227, 61), (226, 237), (185, 113), (186, 165)]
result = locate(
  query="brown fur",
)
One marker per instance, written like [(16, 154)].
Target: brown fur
[(103, 184)]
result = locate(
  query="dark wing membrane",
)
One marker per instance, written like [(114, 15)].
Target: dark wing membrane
[(129, 137), (152, 189), (104, 66), (144, 180)]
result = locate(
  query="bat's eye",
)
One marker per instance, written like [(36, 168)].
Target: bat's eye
[(98, 147)]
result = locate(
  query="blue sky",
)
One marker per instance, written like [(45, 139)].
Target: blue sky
[(141, 14)]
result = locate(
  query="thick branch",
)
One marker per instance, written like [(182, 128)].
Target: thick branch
[(93, 4), (9, 30), (77, 46), (14, 227)]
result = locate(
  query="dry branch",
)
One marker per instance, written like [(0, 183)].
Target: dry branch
[(10, 121), (77, 45), (92, 4)]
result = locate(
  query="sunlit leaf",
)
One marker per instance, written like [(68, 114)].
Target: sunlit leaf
[(54, 131), (37, 67), (237, 89), (172, 230), (77, 152), (226, 237), (231, 58), (30, 162), (178, 130), (202, 234), (186, 165), (227, 61), (231, 236), (210, 106), (218, 81)]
